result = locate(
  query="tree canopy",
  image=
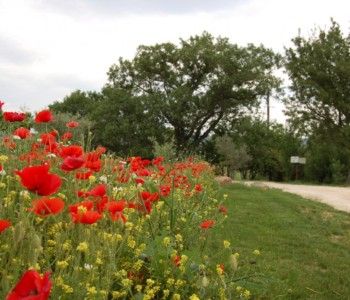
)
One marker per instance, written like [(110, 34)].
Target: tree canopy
[(319, 69), (123, 124), (195, 86), (319, 103)]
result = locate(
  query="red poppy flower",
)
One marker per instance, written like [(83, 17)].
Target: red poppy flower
[(207, 224), (94, 165), (137, 163), (139, 180), (22, 132), (83, 175), (52, 148), (147, 196), (177, 260), (72, 124), (86, 217), (31, 287), (47, 206), (54, 133), (132, 205), (4, 224), (158, 160), (83, 212), (198, 188), (67, 136), (87, 205), (165, 190), (37, 179), (71, 163), (146, 206), (73, 150), (100, 203), (13, 116), (115, 209), (98, 191), (48, 138), (93, 161), (44, 116), (143, 172), (223, 209)]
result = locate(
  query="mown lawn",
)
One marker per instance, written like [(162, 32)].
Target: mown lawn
[(305, 245)]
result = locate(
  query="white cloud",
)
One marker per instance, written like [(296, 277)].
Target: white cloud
[(72, 46)]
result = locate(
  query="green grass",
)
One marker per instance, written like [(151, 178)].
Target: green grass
[(305, 245)]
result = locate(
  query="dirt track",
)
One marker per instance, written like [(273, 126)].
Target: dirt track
[(337, 197)]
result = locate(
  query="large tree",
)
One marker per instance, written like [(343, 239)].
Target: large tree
[(123, 124), (77, 103), (119, 120), (196, 85), (319, 70), (319, 102)]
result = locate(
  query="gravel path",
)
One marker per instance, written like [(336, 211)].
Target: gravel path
[(337, 197)]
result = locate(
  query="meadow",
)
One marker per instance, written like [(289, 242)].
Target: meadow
[(304, 245), (81, 223)]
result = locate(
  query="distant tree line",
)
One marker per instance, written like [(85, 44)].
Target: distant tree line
[(202, 96)]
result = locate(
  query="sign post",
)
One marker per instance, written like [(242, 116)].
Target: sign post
[(297, 161)]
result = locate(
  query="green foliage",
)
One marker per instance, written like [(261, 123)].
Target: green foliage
[(166, 150), (319, 68), (233, 157), (117, 120), (124, 125), (194, 87), (269, 146), (338, 171), (326, 162), (77, 103), (175, 92)]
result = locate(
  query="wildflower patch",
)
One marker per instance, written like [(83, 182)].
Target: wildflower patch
[(79, 223)]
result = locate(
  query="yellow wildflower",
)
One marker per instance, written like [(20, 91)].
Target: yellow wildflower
[(3, 158), (62, 264), (256, 252), (166, 241), (176, 297), (92, 178), (83, 247)]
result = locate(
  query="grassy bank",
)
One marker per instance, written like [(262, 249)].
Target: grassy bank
[(305, 245)]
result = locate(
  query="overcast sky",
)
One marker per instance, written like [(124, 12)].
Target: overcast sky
[(50, 48)]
